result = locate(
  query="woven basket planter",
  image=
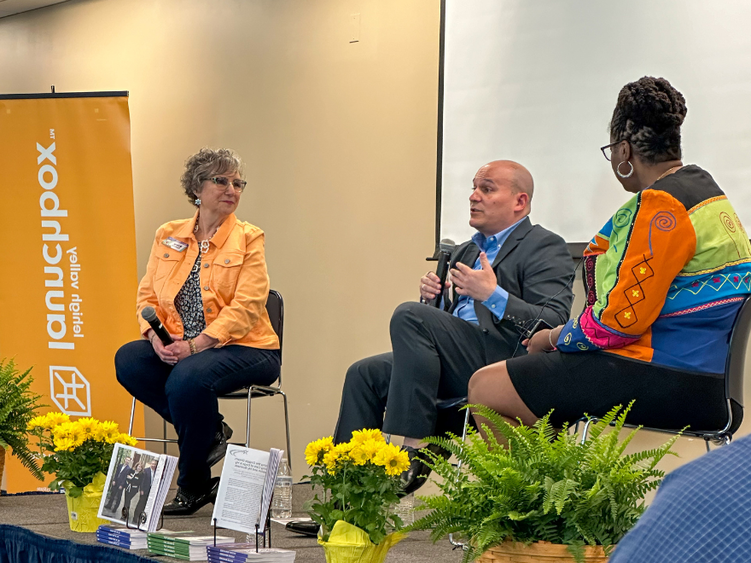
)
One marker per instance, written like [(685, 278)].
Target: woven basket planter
[(539, 552)]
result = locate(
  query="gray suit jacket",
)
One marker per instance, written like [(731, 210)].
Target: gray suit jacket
[(535, 267)]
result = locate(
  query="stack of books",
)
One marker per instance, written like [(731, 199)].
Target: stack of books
[(183, 545), (121, 536), (246, 553)]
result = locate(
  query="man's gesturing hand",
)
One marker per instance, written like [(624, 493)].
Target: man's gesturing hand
[(477, 284), (430, 286)]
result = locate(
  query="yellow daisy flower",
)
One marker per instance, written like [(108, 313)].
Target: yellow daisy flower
[(64, 444), (362, 436), (55, 418), (37, 422), (62, 430), (109, 431), (89, 427), (372, 447), (343, 450), (359, 455), (315, 451), (393, 459), (76, 433), (126, 439), (329, 460)]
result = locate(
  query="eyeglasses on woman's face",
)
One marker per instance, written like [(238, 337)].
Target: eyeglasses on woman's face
[(223, 182), (607, 150)]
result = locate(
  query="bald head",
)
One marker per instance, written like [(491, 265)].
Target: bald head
[(501, 196), (514, 173)]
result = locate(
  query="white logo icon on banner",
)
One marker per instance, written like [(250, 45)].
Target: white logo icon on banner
[(70, 391)]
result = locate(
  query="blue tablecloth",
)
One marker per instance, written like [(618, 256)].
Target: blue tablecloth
[(19, 545)]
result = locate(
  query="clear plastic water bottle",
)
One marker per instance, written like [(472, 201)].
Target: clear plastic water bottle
[(406, 509), (281, 505)]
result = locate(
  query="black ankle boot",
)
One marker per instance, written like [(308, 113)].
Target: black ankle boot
[(219, 447), (418, 472), (186, 503)]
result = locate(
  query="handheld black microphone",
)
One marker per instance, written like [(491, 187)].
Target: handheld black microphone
[(149, 315), (446, 247)]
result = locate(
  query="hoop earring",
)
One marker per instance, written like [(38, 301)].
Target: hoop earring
[(621, 174), (197, 201)]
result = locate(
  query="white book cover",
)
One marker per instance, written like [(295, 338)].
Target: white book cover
[(245, 488), (136, 487)]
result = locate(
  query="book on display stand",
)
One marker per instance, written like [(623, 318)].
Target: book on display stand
[(246, 488), (136, 487)]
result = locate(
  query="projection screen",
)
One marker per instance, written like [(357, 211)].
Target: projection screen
[(536, 82)]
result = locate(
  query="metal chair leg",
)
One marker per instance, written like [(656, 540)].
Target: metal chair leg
[(458, 544), (586, 429), (132, 416), (286, 425), (464, 437), (164, 435), (247, 420)]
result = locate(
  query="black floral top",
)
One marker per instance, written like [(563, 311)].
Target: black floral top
[(189, 303)]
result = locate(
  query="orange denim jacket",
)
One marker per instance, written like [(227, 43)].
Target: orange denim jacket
[(234, 282)]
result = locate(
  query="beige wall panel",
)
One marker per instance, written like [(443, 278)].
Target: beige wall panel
[(338, 138)]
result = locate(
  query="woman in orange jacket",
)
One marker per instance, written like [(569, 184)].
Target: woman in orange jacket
[(207, 280)]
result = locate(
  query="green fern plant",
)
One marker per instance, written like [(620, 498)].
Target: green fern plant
[(18, 404), (546, 486)]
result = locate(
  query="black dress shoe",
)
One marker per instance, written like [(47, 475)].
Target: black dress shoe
[(417, 473), (219, 448), (303, 527), (186, 503)]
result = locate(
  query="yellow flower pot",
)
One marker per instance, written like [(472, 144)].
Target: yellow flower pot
[(350, 544), (82, 511)]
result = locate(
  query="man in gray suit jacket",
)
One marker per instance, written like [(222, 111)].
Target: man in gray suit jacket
[(510, 273)]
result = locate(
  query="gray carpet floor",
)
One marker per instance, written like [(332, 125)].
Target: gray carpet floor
[(47, 514)]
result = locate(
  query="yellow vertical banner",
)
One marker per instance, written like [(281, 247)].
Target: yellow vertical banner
[(67, 293)]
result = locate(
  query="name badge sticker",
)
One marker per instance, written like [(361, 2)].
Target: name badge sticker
[(175, 244)]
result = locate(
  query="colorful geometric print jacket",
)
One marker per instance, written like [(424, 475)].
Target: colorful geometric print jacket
[(665, 277)]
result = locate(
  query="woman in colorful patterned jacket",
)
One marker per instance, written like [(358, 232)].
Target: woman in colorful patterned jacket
[(664, 281), (207, 281)]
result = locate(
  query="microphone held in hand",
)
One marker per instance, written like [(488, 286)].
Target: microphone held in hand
[(446, 247), (149, 315)]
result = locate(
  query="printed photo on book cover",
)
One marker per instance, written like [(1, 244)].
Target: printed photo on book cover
[(128, 491)]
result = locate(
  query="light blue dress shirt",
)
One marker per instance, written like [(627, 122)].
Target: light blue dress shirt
[(496, 303)]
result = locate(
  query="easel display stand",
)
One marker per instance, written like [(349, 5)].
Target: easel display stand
[(267, 529), (141, 520)]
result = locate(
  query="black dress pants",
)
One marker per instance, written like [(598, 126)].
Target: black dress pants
[(434, 355), (186, 394)]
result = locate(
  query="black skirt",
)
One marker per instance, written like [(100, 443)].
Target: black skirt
[(594, 382)]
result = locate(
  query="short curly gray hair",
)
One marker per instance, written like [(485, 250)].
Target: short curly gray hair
[(205, 164)]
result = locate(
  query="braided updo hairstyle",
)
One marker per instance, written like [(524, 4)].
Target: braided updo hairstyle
[(648, 115)]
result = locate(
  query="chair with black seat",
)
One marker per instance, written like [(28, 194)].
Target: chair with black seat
[(275, 309), (735, 365)]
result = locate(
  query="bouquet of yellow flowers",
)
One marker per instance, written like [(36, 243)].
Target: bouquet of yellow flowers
[(359, 483), (75, 451)]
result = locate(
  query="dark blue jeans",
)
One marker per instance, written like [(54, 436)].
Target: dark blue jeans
[(186, 394)]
